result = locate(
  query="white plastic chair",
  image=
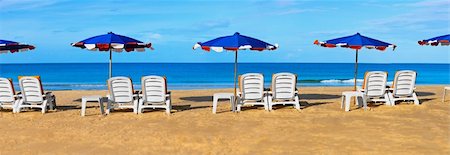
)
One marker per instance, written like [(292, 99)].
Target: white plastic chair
[(33, 95), (403, 88), (121, 94), (8, 97), (251, 87), (154, 94), (283, 90), (374, 89)]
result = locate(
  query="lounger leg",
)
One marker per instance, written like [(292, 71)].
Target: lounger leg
[(342, 102), (83, 107), (215, 104), (238, 104), (135, 106), (50, 101), (238, 108), (100, 102), (364, 100), (357, 102), (266, 103), (416, 100), (387, 99), (391, 99), (53, 102), (18, 108), (169, 105), (141, 104), (108, 107), (44, 106), (16, 103), (269, 103), (297, 102)]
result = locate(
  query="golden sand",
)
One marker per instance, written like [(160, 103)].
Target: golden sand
[(321, 127)]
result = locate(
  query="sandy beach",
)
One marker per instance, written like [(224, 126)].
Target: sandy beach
[(321, 127)]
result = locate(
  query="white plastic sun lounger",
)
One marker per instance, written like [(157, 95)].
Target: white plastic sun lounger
[(374, 88), (251, 87), (154, 94), (283, 90), (403, 88), (8, 97), (33, 95), (121, 94)]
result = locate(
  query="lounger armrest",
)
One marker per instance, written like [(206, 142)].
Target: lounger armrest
[(18, 96), (359, 88), (136, 96), (169, 93), (48, 93)]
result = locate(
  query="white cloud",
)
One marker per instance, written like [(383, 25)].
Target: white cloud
[(285, 2), (155, 36), (431, 3), (6, 5), (421, 16), (294, 11)]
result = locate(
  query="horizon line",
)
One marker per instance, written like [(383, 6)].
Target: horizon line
[(216, 63)]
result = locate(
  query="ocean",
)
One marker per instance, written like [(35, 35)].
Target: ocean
[(93, 76)]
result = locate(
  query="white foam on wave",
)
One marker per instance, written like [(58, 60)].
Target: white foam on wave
[(330, 81), (353, 80), (342, 81)]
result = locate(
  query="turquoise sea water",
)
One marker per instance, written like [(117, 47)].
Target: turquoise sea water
[(93, 76)]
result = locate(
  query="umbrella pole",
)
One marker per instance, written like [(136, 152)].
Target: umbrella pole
[(356, 69), (235, 84), (110, 62)]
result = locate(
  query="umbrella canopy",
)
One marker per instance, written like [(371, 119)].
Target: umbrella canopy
[(356, 42), (11, 46), (442, 40), (234, 43), (112, 42)]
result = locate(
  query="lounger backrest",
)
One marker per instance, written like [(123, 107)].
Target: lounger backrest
[(252, 86), (283, 85), (154, 89), (6, 90), (120, 89), (404, 82), (31, 88), (375, 83)]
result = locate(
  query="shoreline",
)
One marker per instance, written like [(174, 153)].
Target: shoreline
[(196, 87)]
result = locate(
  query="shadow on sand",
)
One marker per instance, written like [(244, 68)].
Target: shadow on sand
[(420, 94), (198, 98), (318, 96)]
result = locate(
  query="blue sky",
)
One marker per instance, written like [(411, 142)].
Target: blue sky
[(175, 26)]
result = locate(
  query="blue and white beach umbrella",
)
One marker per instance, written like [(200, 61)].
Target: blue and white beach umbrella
[(356, 42), (234, 43), (13, 47), (112, 42), (442, 40)]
